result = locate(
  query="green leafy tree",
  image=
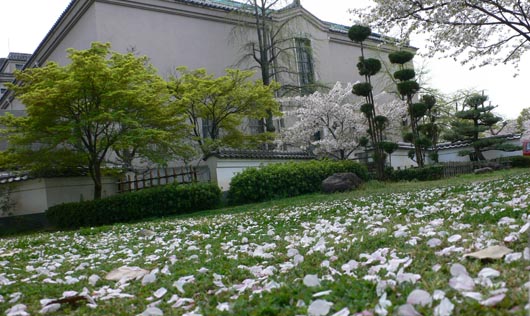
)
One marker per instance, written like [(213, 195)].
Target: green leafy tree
[(217, 107), (471, 122), (80, 114)]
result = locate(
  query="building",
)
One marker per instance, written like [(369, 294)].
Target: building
[(14, 61), (207, 34), (210, 34)]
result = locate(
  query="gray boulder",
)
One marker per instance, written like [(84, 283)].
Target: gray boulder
[(495, 166), (483, 170), (340, 182)]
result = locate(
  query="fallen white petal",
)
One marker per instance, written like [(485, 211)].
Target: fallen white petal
[(93, 279), (511, 257), (434, 242), (50, 308), (492, 301), (223, 307), (160, 292), (419, 297), (319, 308), (311, 280), (438, 295), (148, 278), (343, 312), (407, 310), (488, 273), (323, 293), (474, 295), (454, 238), (445, 308), (458, 269), (462, 283), (152, 311)]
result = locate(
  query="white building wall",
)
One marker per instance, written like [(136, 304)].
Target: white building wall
[(37, 195)]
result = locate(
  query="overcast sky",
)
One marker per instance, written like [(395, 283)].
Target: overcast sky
[(24, 23)]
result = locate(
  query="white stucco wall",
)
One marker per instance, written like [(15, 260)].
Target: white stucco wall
[(400, 159), (451, 154), (36, 195), (223, 170)]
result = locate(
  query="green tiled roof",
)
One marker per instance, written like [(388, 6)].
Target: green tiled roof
[(220, 4)]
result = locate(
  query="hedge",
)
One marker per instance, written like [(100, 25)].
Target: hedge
[(520, 161), (154, 202), (287, 179), (420, 174)]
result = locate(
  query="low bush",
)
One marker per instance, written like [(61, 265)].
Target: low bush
[(520, 161), (154, 202), (420, 174), (287, 179)]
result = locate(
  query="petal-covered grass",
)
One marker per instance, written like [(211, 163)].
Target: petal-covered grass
[(370, 252)]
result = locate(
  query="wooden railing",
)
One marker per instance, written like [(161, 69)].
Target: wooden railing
[(152, 178), (452, 169)]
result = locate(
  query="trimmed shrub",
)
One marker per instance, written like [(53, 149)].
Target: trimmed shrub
[(369, 66), (358, 33), (400, 57), (287, 179), (362, 89), (367, 108), (520, 161), (418, 109), (154, 202), (408, 87), (420, 174), (405, 74)]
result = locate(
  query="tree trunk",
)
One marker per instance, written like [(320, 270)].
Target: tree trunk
[(478, 154), (95, 173)]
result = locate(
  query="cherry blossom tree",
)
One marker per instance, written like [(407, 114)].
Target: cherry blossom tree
[(526, 130), (331, 124), (492, 31)]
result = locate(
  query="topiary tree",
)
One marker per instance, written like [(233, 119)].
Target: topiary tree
[(429, 127), (407, 88), (369, 67), (471, 122)]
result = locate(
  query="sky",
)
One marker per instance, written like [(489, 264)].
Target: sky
[(24, 23)]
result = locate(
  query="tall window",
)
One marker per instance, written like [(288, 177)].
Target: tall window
[(304, 58), (206, 128)]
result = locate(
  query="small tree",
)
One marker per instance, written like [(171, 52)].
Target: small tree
[(79, 114), (429, 128), (471, 122), (407, 88), (271, 46), (369, 67), (330, 123), (217, 107)]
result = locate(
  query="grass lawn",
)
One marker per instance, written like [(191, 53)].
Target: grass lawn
[(386, 249)]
